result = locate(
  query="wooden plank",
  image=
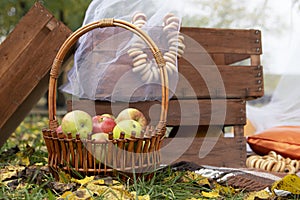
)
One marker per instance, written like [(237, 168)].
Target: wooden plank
[(233, 41), (198, 81), (234, 58), (213, 40), (25, 32), (22, 111), (234, 44), (222, 81), (26, 72), (28, 53), (215, 151), (181, 112)]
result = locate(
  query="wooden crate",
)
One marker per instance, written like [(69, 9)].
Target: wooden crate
[(236, 56), (26, 58)]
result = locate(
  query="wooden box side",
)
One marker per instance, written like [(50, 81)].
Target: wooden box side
[(214, 151), (219, 81), (195, 81), (181, 112), (232, 45), (27, 55), (209, 70)]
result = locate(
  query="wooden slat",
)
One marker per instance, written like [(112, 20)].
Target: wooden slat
[(198, 81), (221, 81), (213, 40), (233, 44), (181, 112), (25, 32), (233, 41), (222, 152), (233, 58), (27, 53), (22, 111)]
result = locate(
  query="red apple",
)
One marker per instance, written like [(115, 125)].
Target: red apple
[(103, 123), (59, 129), (132, 114)]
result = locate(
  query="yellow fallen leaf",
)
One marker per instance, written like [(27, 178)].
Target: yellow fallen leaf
[(9, 183), (144, 197), (23, 159), (80, 194), (290, 182), (83, 181), (94, 187), (22, 186), (64, 177), (113, 193), (100, 190), (258, 195), (67, 195), (226, 190), (39, 164), (212, 194), (7, 175), (196, 177), (99, 182), (10, 171)]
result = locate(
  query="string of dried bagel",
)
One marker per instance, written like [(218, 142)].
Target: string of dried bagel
[(147, 69), (273, 162)]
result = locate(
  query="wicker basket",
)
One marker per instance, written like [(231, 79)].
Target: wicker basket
[(75, 155)]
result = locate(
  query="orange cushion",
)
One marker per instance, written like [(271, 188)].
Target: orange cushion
[(284, 140)]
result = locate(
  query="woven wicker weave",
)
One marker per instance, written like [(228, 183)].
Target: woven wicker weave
[(75, 155)]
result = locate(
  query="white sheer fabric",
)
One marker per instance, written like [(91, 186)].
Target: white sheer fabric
[(100, 70)]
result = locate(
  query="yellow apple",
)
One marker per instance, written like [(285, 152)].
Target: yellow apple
[(132, 114), (127, 126)]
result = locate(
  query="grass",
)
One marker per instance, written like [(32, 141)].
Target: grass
[(24, 174)]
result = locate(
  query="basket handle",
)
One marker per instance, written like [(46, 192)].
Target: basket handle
[(72, 39)]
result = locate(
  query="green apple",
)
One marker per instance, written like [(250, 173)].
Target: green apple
[(133, 114), (77, 121), (127, 126)]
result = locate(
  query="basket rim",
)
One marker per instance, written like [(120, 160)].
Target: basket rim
[(102, 23)]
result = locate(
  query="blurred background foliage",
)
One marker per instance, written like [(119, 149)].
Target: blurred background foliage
[(233, 14), (70, 12), (221, 14)]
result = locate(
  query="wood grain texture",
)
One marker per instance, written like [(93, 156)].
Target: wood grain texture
[(181, 112), (219, 81), (209, 68), (26, 57), (222, 152), (232, 41)]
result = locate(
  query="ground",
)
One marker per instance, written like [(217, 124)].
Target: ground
[(25, 175)]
